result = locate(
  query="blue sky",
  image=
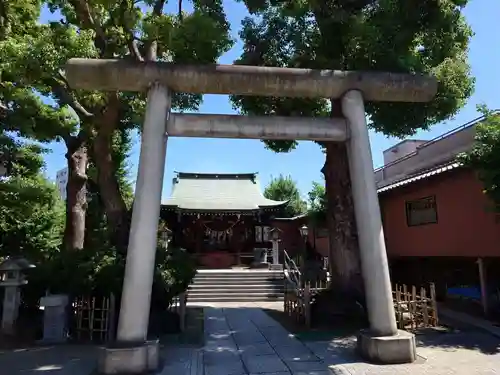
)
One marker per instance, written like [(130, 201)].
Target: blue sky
[(304, 163)]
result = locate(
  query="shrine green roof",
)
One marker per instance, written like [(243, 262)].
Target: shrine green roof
[(218, 192)]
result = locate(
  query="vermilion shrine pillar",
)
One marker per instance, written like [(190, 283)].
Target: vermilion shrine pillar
[(382, 342)]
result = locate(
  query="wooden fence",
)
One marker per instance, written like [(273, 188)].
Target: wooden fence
[(94, 318), (415, 307), (413, 310), (297, 300)]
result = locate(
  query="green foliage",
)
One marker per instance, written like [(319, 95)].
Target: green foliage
[(31, 218), (31, 212), (317, 203), (30, 61), (283, 188), (31, 58), (122, 144), (395, 36), (175, 270), (99, 271), (20, 158), (484, 157)]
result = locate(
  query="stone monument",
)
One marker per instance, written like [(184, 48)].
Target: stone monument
[(55, 327), (275, 240)]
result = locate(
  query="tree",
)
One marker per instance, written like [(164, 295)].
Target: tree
[(484, 157), (31, 212), (317, 203), (88, 122), (285, 189), (396, 36), (24, 54)]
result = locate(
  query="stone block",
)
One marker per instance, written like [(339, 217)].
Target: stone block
[(295, 354), (311, 367), (225, 368), (263, 364), (275, 267), (397, 349), (136, 358), (247, 338), (256, 350)]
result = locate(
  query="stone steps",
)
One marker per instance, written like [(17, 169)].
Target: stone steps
[(236, 286)]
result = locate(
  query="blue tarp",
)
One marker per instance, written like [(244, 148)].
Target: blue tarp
[(467, 292)]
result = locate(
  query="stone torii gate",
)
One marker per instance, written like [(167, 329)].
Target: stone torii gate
[(382, 342)]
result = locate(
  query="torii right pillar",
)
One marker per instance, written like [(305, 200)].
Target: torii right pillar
[(382, 342)]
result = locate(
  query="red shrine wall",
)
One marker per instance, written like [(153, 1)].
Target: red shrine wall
[(464, 227), (291, 240)]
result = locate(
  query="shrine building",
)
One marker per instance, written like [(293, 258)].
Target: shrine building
[(220, 218)]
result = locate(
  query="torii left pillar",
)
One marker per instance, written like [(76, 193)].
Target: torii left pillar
[(135, 354)]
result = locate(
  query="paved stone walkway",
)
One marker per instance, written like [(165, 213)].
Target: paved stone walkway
[(61, 360), (246, 341), (181, 361), (461, 353), (241, 341)]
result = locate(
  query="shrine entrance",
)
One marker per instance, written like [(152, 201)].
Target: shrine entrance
[(223, 219), (382, 342)]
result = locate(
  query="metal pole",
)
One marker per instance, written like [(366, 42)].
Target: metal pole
[(483, 285)]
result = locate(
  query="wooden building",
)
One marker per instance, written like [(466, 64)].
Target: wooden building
[(221, 218), (439, 226)]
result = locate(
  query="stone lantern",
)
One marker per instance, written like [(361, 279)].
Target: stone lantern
[(11, 278), (166, 237), (275, 239)]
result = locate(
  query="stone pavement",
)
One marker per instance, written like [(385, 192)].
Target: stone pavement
[(241, 339), (460, 353), (60, 360), (245, 340)]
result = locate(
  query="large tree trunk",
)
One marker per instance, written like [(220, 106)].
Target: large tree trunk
[(343, 244), (116, 210), (76, 194), (345, 265)]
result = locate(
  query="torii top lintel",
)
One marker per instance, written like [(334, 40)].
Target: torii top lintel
[(125, 75)]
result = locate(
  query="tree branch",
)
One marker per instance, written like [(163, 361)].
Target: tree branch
[(180, 9), (61, 91), (131, 40), (151, 46), (134, 48), (4, 20), (88, 18)]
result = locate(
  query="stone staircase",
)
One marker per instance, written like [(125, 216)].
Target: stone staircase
[(236, 286)]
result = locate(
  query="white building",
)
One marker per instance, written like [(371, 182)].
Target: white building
[(62, 181)]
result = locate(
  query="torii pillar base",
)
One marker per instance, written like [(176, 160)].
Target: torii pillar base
[(132, 358), (396, 349)]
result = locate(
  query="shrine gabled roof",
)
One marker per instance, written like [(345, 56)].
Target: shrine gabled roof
[(218, 192)]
